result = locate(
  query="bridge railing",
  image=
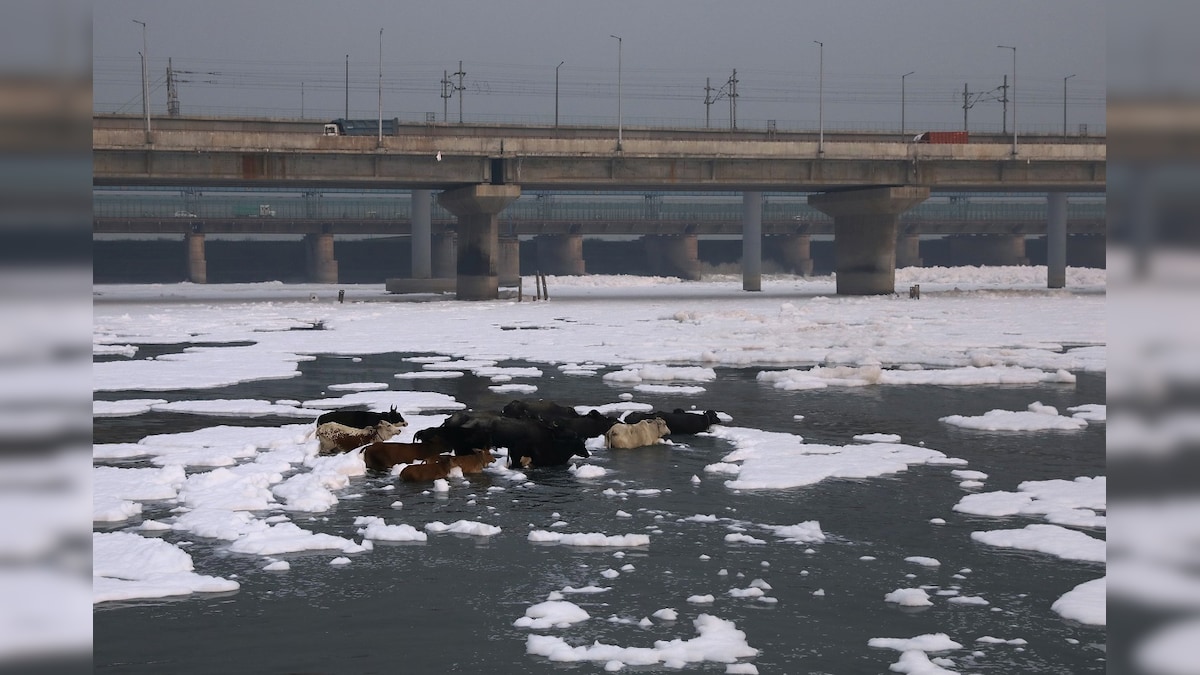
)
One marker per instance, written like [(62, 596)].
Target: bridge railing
[(533, 208)]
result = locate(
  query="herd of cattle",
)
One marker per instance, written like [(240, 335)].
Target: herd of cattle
[(536, 434)]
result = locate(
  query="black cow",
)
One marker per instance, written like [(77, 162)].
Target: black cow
[(679, 421), (588, 426), (549, 410), (536, 443), (360, 419)]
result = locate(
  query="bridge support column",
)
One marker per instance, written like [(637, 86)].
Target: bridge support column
[(752, 208), (510, 261), (560, 254), (1056, 240), (988, 249), (864, 234), (908, 251), (795, 251), (197, 266), (673, 255), (322, 266), (421, 239), (476, 208)]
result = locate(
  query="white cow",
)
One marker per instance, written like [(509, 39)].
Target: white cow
[(334, 437), (646, 432)]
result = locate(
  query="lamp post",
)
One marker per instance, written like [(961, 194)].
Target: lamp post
[(347, 114), (145, 82), (618, 90), (556, 92), (380, 86), (902, 100), (1065, 104), (1014, 95), (820, 98)]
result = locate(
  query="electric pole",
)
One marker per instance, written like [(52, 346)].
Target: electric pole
[(708, 100), (173, 94), (347, 87), (460, 89), (446, 92), (733, 100), (1004, 103)]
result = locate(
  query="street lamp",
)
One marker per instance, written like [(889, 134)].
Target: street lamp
[(145, 82), (902, 100), (1014, 95), (821, 98), (556, 92), (380, 86), (618, 90), (1065, 105)]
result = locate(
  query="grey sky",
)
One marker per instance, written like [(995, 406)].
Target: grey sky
[(251, 58)]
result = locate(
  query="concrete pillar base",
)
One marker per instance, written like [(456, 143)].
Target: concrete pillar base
[(421, 239), (864, 231), (672, 255), (510, 261), (908, 251), (1056, 240), (476, 208), (795, 252), (752, 208), (197, 266), (322, 266), (560, 254)]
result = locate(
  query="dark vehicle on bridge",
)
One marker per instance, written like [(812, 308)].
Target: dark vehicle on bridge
[(345, 127)]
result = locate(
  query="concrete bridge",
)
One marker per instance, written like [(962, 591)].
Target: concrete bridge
[(480, 170)]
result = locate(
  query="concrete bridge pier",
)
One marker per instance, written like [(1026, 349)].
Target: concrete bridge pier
[(988, 249), (795, 251), (421, 238), (476, 207), (197, 266), (1056, 240), (510, 261), (560, 254), (865, 223), (673, 255), (322, 266), (752, 208), (908, 251)]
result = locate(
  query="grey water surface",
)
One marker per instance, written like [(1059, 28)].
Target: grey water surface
[(448, 604)]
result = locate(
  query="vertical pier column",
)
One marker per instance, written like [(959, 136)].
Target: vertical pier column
[(510, 261), (864, 234), (322, 266), (673, 255), (752, 208), (421, 239), (795, 251), (1056, 240), (908, 251), (476, 208), (560, 254), (197, 266)]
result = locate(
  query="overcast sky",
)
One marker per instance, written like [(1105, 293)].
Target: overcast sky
[(251, 58)]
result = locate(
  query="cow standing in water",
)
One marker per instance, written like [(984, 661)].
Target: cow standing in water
[(360, 419), (646, 432), (336, 438)]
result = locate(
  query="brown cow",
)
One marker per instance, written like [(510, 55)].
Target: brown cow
[(475, 463), (382, 456), (433, 469)]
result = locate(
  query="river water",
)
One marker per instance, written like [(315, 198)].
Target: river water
[(448, 605)]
